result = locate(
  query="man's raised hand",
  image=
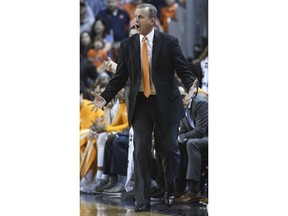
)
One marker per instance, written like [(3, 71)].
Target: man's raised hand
[(193, 90), (110, 65)]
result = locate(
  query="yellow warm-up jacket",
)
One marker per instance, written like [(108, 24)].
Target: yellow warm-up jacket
[(121, 120), (88, 151)]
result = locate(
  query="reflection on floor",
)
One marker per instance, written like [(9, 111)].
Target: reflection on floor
[(107, 205)]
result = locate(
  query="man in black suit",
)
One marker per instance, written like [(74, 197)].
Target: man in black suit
[(155, 105), (193, 145)]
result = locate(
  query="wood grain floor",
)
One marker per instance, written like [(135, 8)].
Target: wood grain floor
[(107, 205)]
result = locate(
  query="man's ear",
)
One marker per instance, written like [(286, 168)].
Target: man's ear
[(153, 21)]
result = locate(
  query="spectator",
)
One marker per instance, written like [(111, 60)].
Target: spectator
[(193, 142), (87, 72), (115, 163), (117, 20), (100, 30), (87, 17), (85, 44), (97, 55), (96, 5), (168, 12), (86, 118), (108, 117), (105, 132)]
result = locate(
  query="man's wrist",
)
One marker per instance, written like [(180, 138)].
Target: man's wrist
[(103, 100)]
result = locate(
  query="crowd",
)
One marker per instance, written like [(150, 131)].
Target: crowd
[(106, 137)]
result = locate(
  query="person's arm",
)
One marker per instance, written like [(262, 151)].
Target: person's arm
[(108, 43), (120, 78), (108, 46), (117, 128), (181, 65), (183, 72)]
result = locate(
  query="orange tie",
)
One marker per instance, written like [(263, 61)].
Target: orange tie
[(145, 68)]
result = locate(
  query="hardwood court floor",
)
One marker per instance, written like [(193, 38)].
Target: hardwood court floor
[(107, 205)]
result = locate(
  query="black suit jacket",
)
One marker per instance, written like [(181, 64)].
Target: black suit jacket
[(167, 58), (199, 115)]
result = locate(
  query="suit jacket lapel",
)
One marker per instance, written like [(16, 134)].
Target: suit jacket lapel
[(156, 48), (137, 57), (193, 108)]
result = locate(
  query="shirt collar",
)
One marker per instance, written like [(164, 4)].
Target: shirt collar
[(190, 103), (149, 36)]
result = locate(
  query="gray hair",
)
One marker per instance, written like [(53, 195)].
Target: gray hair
[(152, 9)]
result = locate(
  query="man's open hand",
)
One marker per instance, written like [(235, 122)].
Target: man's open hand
[(193, 90), (98, 102)]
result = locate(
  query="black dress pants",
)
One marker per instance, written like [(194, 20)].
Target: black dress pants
[(147, 117)]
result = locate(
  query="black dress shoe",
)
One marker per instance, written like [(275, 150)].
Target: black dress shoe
[(169, 199), (143, 208), (158, 195), (128, 196)]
